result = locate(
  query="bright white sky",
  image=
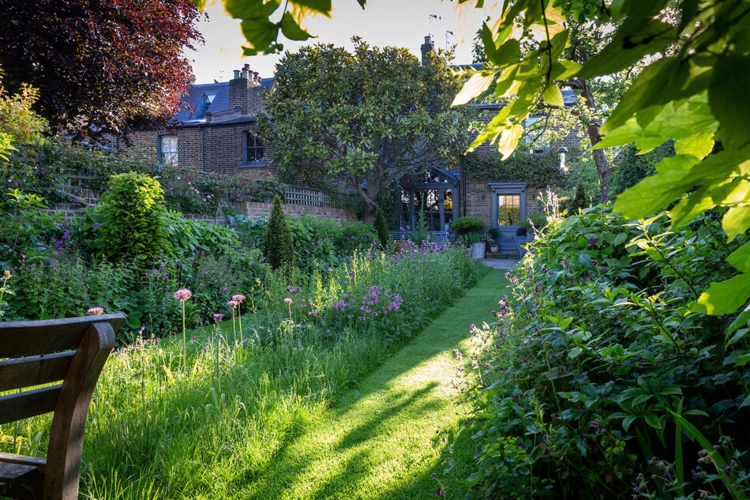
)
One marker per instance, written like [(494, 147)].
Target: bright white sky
[(402, 23)]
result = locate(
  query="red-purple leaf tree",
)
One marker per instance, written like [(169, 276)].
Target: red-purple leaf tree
[(100, 66)]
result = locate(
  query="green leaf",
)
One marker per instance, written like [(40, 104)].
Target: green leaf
[(620, 239), (725, 297), (657, 191), (729, 96), (292, 30), (251, 9), (624, 51), (641, 399), (627, 421), (319, 6), (508, 53), (741, 320), (653, 421), (260, 35), (698, 145), (688, 208), (648, 84), (552, 96), (575, 352), (736, 221), (584, 259)]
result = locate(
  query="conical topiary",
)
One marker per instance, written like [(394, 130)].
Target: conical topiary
[(279, 249), (579, 200), (381, 226)]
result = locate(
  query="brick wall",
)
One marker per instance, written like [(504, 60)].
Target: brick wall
[(253, 210)]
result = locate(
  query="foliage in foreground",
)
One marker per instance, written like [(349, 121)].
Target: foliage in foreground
[(598, 382), (158, 430)]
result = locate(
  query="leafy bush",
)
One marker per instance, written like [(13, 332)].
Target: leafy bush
[(278, 247), (26, 232), (468, 223), (133, 210), (596, 365)]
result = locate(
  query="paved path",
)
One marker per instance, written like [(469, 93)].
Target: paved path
[(500, 263), (386, 439)]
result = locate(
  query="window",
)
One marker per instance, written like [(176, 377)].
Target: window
[(253, 148), (509, 210), (168, 149)]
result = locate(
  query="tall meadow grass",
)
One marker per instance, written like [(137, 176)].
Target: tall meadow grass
[(203, 418)]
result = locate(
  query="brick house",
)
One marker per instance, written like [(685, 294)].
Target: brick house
[(444, 195), (216, 131), (217, 134)]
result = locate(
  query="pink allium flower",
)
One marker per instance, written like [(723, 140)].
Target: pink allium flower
[(218, 317), (95, 311), (352, 273), (232, 304), (238, 298), (183, 294), (288, 300)]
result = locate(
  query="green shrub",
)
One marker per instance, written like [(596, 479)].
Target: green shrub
[(595, 363), (381, 226), (538, 219), (26, 232), (279, 248), (133, 229), (468, 223)]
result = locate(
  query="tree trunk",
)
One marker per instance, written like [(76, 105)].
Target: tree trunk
[(603, 168)]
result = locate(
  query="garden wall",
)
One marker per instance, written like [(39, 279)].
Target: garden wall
[(253, 210)]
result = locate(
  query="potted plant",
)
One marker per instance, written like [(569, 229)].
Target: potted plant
[(471, 232), (492, 234)]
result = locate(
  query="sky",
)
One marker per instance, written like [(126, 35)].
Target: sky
[(402, 23)]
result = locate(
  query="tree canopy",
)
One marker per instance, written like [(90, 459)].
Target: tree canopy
[(369, 117), (693, 90), (100, 66)]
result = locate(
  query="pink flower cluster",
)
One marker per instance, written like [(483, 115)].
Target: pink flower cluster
[(95, 311), (183, 294)]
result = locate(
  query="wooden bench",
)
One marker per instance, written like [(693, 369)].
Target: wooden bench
[(51, 366)]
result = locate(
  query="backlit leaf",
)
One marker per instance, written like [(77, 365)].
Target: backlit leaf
[(476, 85), (724, 297), (657, 191), (698, 145), (553, 96), (736, 221), (508, 140)]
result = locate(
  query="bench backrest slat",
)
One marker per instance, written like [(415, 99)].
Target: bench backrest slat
[(30, 371), (29, 403), (31, 338)]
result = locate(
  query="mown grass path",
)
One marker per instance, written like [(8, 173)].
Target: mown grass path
[(386, 438)]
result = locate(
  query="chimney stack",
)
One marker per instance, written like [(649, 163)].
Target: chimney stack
[(236, 74), (427, 47)]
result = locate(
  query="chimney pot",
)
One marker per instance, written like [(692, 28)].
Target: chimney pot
[(236, 74)]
